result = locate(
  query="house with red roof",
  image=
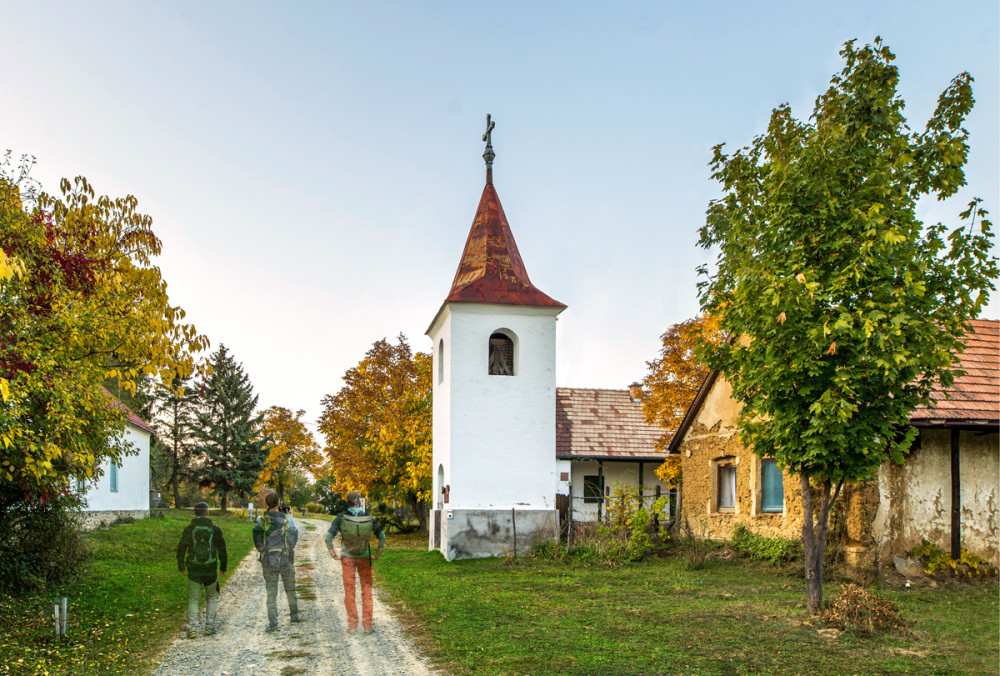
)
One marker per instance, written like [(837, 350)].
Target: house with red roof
[(120, 489), (947, 492)]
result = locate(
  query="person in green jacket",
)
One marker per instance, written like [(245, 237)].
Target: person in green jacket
[(202, 551), (355, 529)]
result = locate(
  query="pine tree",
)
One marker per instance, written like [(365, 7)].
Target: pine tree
[(176, 407), (228, 432)]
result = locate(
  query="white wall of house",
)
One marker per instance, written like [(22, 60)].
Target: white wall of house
[(132, 489), (494, 436), (616, 474)]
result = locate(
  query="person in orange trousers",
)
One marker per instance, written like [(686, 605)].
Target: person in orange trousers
[(356, 528)]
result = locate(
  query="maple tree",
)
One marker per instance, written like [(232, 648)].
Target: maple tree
[(673, 380), (852, 309), (293, 450), (79, 297), (378, 426)]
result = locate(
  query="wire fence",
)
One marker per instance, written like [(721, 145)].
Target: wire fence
[(582, 513)]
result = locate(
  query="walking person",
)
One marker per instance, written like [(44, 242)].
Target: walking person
[(355, 529), (274, 537), (200, 553)]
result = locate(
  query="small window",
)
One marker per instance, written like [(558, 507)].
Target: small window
[(593, 488), (440, 358), (772, 491), (114, 477), (727, 487), (501, 353)]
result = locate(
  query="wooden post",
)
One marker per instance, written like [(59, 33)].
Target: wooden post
[(956, 496), (513, 526), (569, 520), (600, 485)]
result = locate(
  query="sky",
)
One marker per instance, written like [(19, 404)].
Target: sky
[(313, 168)]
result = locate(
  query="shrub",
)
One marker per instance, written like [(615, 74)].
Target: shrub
[(864, 613), (40, 543), (754, 546), (392, 518), (314, 508), (937, 559)]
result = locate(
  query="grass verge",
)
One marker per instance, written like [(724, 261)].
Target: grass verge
[(123, 609), (493, 616)]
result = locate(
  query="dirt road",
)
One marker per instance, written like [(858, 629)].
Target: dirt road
[(319, 645)]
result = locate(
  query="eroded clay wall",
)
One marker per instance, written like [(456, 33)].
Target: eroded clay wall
[(916, 497)]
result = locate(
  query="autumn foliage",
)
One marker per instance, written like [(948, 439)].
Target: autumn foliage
[(78, 291), (673, 380), (378, 426), (293, 450)]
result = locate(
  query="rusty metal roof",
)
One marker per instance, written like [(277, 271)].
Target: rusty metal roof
[(491, 269), (974, 397), (603, 425)]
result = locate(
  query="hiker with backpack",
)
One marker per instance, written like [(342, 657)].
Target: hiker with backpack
[(355, 529), (200, 552), (274, 537)]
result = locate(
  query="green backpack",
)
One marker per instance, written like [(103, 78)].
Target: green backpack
[(203, 552), (356, 532)]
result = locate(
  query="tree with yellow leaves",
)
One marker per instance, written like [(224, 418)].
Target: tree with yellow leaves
[(78, 292), (378, 426), (673, 380), (293, 450)]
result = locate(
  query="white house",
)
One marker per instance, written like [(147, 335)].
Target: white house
[(121, 490)]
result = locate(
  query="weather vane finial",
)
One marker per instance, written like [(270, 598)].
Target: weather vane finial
[(489, 154)]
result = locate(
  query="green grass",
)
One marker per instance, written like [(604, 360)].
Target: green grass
[(124, 609), (492, 616)]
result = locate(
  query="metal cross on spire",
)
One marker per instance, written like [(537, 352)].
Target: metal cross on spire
[(489, 154)]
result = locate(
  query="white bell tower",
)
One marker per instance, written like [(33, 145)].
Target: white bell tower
[(494, 346)]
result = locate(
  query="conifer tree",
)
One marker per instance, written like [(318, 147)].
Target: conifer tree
[(175, 408), (227, 431)]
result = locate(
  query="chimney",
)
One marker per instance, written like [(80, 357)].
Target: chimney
[(635, 391)]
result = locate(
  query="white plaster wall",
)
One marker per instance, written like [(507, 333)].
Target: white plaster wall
[(615, 474), (133, 479), (441, 401), (495, 435)]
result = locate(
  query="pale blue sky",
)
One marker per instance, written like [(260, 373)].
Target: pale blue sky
[(313, 168)]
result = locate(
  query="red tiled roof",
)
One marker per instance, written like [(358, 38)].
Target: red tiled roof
[(491, 269), (132, 418), (975, 396), (603, 424)]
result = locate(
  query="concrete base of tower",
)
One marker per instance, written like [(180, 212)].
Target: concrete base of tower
[(478, 533)]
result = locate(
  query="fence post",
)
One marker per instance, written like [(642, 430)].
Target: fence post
[(513, 526), (569, 521)]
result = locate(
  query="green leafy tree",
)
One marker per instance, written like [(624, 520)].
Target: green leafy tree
[(849, 308), (299, 491), (176, 407), (227, 431), (81, 306)]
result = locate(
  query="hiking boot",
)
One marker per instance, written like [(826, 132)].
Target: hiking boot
[(210, 631), (351, 630), (295, 620), (368, 630), (192, 634), (271, 628)]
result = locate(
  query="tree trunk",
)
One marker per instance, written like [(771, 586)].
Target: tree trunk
[(814, 537), (419, 510), (177, 492), (224, 503)]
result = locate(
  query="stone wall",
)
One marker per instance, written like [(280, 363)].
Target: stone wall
[(89, 521), (479, 533)]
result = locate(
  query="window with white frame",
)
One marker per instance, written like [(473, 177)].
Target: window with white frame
[(726, 486)]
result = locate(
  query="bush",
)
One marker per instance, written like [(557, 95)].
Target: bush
[(314, 508), (40, 543), (773, 550), (864, 613), (391, 518), (937, 559)]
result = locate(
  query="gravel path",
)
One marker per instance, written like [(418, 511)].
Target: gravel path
[(319, 645)]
